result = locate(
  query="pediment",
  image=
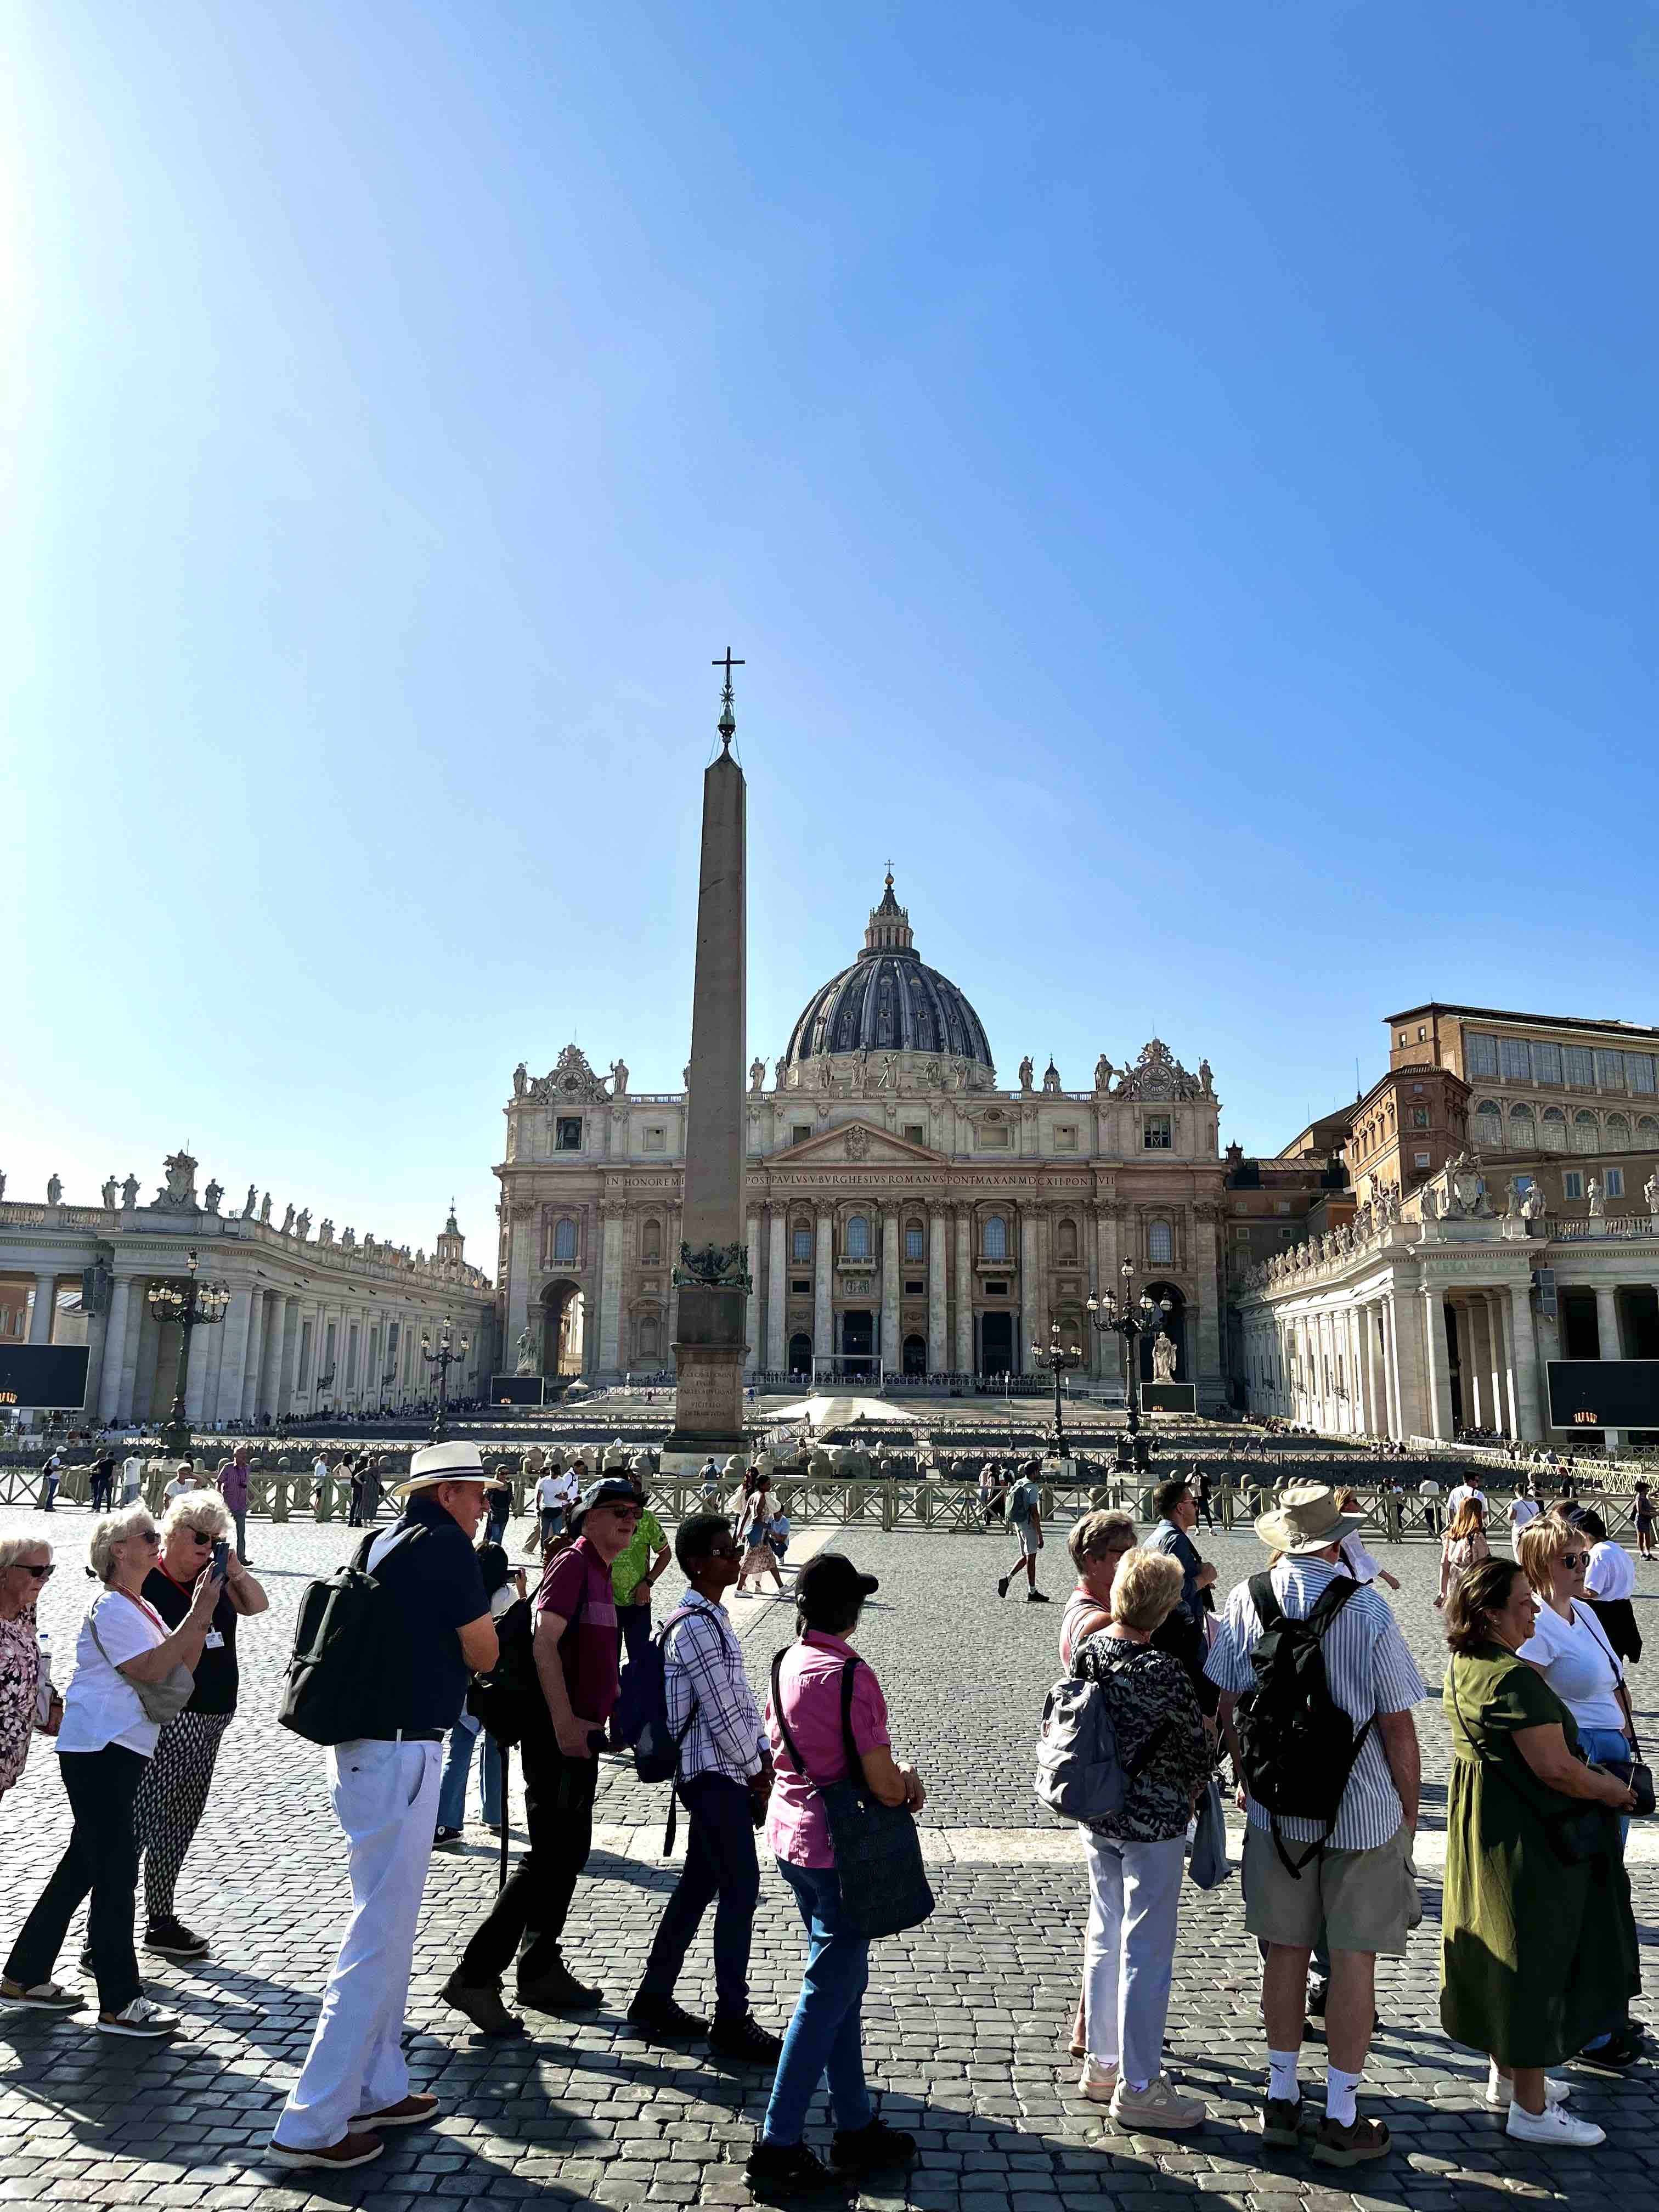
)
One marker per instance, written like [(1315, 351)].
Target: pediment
[(858, 1145)]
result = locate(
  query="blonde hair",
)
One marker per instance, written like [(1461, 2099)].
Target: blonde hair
[(1094, 1528), (1541, 1544), (1146, 1589), (204, 1510), (12, 1549), (114, 1528), (1469, 1520)]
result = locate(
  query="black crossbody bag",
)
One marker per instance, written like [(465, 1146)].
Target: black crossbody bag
[(883, 1884), (1632, 1771)]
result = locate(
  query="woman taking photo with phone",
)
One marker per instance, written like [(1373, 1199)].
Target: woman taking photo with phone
[(174, 1790)]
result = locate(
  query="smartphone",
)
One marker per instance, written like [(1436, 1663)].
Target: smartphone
[(221, 1558)]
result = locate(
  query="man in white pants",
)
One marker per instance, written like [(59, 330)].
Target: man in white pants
[(438, 1631)]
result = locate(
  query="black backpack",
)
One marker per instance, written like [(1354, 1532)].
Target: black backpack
[(1296, 1746), (509, 1699), (339, 1687)]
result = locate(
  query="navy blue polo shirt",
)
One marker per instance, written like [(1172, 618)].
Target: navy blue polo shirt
[(435, 1586)]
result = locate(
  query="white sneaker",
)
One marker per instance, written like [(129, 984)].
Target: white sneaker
[(1159, 2105), (1097, 2080), (1553, 2128), (1500, 2090), (141, 2018)]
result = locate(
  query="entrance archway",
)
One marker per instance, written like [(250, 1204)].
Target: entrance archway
[(801, 1354), (915, 1355), (1174, 1327), (564, 1330), (857, 1333), (996, 1343)]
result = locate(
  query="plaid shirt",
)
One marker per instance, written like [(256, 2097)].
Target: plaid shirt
[(703, 1660)]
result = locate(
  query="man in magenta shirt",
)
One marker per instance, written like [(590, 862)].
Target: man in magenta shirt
[(575, 1650)]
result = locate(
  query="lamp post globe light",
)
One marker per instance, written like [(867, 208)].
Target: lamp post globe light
[(1131, 1319), (188, 1305), (441, 1360), (1059, 1360)]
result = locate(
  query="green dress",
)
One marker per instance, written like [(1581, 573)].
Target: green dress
[(1536, 1957)]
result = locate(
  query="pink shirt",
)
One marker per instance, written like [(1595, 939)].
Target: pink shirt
[(797, 1828)]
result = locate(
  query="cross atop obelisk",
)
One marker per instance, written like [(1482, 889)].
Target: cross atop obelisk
[(727, 724)]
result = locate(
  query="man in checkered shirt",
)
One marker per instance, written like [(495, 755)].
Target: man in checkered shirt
[(725, 1779)]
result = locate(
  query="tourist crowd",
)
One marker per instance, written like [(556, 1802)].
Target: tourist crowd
[(1300, 1688)]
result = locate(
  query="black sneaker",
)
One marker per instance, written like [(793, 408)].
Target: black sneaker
[(1035, 1597), (659, 2019), (746, 2039), (444, 1838), (560, 1991), (860, 2150), (174, 1941), (1617, 2055), (779, 2173), (1002, 1585)]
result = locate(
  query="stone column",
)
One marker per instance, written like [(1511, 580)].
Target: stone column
[(1607, 1344), (1463, 1323), (1530, 1414), (256, 1339), (1437, 1368), (40, 1314), (824, 1311), (777, 1287), (752, 1360), (611, 1244), (271, 1354), (202, 1349), (232, 1357), (289, 1368), (115, 1348), (963, 1290), (1207, 1268), (1109, 1349), (1399, 1370), (523, 1229), (1030, 1291), (892, 1351), (939, 1350)]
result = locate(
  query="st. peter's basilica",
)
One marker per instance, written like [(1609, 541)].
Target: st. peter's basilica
[(900, 1207)]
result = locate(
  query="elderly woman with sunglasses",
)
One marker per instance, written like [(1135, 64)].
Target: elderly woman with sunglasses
[(106, 1742), (173, 1794), (25, 1563), (1571, 1649), (1096, 1543)]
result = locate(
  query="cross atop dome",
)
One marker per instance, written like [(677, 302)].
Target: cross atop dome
[(890, 923)]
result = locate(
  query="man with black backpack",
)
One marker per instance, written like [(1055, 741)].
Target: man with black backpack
[(1318, 1688), (379, 1675), (723, 1778)]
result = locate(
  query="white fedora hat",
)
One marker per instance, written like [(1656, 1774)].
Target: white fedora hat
[(445, 1463)]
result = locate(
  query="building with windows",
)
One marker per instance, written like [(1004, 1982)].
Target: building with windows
[(902, 1209)]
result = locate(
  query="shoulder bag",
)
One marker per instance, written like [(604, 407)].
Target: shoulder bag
[(883, 1884), (1576, 1837), (162, 1701), (1632, 1771)]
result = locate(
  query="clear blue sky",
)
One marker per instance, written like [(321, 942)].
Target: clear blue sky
[(1182, 479)]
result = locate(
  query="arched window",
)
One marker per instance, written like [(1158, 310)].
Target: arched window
[(1522, 1124), (1619, 1129), (857, 1237), (650, 1338), (915, 1240), (564, 1240), (651, 1243), (994, 1236), (800, 1355), (1066, 1244), (1647, 1128), (1160, 1244), (1488, 1123), (1586, 1131), (1552, 1130)]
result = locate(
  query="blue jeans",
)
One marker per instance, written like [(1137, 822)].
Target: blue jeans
[(458, 1765), (1602, 1746), (826, 2034)]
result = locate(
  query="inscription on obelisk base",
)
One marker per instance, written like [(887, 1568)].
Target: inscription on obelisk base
[(712, 1273)]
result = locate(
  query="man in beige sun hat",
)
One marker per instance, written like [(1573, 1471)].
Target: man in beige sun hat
[(1336, 1844)]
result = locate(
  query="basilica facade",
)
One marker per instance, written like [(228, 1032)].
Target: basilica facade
[(904, 1212)]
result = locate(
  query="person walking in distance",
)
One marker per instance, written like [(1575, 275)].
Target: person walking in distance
[(1645, 1519), (574, 1645), (1352, 1867), (724, 1781), (1429, 1491), (1025, 1519), (232, 1488), (1524, 1507), (354, 2081)]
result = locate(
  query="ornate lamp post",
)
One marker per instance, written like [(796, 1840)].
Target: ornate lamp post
[(189, 1305), (1131, 1319), (1059, 1360), (443, 1358)]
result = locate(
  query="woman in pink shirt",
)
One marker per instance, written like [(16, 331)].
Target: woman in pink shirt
[(804, 1722)]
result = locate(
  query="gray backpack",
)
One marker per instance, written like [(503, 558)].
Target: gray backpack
[(1080, 1772)]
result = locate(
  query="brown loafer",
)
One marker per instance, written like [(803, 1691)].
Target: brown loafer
[(407, 2112), (1351, 2146), (332, 2157)]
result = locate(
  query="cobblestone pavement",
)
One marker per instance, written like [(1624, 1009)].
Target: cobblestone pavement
[(965, 2022)]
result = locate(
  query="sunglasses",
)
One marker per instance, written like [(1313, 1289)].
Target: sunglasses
[(39, 1573), (726, 1551), (142, 1536), (1575, 1558)]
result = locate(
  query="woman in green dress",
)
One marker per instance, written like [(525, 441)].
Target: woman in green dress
[(1538, 1951)]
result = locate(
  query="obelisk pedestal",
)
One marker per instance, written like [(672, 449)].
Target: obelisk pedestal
[(712, 1273)]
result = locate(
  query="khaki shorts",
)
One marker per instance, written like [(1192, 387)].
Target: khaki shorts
[(1367, 1900)]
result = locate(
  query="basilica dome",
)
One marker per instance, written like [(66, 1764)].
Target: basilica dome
[(888, 1001)]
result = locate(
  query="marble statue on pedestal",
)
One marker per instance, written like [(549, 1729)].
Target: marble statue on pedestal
[(108, 1195), (325, 1234), (1650, 1191), (1027, 1074), (520, 1080), (265, 1208), (287, 1220), (1163, 1358), (129, 1191), (212, 1196), (250, 1201), (54, 1190), (1532, 1205), (1103, 1073), (302, 1224), (1597, 1197), (756, 1075)]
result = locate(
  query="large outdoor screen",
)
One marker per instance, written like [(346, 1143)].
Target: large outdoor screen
[(516, 1390), (45, 1375), (1168, 1397), (1604, 1394)]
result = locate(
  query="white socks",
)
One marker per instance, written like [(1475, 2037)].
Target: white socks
[(1281, 2079), (1339, 2096)]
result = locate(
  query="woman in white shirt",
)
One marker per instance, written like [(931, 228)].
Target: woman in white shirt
[(1523, 1507), (104, 1744), (1610, 1586), (1361, 1563)]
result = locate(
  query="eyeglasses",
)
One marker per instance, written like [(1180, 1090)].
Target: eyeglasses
[(1575, 1558), (141, 1536)]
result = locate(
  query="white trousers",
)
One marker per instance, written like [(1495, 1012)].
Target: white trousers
[(1129, 1955), (385, 1799)]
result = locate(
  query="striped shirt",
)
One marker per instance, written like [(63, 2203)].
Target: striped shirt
[(1369, 1670), (703, 1660)]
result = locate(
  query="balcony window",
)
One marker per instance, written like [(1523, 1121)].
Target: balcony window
[(915, 1241), (564, 1240), (1160, 1244), (857, 1237), (994, 1238), (801, 1242), (1572, 1184), (1614, 1182)]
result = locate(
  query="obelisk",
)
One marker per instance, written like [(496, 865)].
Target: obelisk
[(712, 1273)]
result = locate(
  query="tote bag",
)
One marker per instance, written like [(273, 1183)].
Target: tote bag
[(883, 1884)]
